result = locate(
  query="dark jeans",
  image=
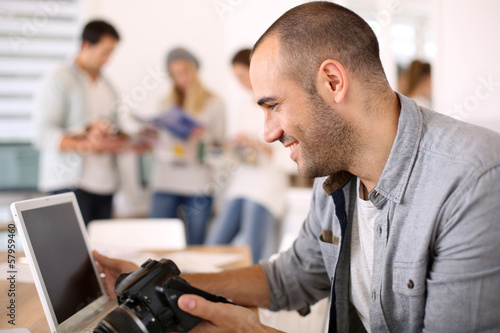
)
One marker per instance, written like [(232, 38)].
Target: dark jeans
[(195, 211), (252, 220), (93, 206)]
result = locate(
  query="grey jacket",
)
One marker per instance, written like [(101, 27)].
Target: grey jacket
[(437, 238)]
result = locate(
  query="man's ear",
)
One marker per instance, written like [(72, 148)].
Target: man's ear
[(332, 81)]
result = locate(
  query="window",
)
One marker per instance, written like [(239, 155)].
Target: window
[(35, 37)]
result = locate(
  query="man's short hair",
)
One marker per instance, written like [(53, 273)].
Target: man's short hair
[(94, 30), (314, 32), (242, 57)]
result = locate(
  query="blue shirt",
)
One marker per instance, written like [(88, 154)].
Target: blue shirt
[(437, 237)]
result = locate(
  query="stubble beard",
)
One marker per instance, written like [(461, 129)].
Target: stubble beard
[(330, 142)]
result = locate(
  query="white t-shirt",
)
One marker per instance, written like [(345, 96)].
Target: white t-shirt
[(99, 173), (362, 241), (176, 166), (264, 182)]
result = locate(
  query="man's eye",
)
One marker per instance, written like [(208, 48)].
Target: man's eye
[(272, 106)]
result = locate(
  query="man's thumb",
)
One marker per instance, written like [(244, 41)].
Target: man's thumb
[(197, 306)]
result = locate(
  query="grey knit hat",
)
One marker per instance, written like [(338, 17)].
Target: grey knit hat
[(181, 53)]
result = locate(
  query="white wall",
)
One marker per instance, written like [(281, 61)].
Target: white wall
[(212, 29), (149, 30), (243, 25), (467, 67)]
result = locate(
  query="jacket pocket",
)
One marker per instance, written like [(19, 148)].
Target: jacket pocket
[(409, 279), (329, 251)]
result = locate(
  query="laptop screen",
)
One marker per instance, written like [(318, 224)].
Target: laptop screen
[(61, 253)]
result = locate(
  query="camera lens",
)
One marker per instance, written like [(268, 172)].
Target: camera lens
[(122, 321)]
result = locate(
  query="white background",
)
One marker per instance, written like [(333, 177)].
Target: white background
[(465, 34)]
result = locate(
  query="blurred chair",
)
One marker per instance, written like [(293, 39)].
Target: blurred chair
[(298, 203), (137, 234), (293, 322)]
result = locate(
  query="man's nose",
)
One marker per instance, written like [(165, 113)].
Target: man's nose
[(272, 127)]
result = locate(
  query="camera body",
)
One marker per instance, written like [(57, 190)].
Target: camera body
[(147, 301)]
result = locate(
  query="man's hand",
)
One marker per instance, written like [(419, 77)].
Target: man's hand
[(110, 270), (221, 317), (99, 137)]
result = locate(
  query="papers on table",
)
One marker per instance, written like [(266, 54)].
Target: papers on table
[(202, 262), (187, 261)]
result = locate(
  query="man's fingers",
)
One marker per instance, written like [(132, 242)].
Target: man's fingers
[(110, 269), (105, 261), (119, 266), (219, 317)]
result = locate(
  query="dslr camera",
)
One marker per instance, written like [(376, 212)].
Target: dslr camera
[(147, 301)]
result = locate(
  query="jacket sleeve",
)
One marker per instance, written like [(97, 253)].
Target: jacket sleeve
[(51, 103)]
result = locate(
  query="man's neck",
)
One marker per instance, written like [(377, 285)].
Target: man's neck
[(80, 62), (377, 135)]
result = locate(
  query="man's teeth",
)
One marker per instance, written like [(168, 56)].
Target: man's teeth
[(293, 145)]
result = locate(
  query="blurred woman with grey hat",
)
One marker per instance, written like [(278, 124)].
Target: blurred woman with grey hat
[(181, 180)]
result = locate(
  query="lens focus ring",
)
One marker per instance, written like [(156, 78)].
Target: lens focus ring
[(119, 321)]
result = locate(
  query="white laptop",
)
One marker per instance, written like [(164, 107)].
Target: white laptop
[(56, 244)]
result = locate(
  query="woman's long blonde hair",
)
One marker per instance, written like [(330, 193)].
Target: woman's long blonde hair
[(194, 99)]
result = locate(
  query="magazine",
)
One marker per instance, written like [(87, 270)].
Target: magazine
[(177, 122)]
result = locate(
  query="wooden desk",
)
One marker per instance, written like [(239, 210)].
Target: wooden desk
[(29, 311)]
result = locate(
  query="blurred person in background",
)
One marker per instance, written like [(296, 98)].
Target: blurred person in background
[(76, 126), (417, 84), (254, 199), (181, 179)]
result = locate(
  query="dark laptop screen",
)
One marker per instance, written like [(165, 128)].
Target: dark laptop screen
[(63, 259)]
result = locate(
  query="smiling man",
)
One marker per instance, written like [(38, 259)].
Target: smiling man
[(404, 224)]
